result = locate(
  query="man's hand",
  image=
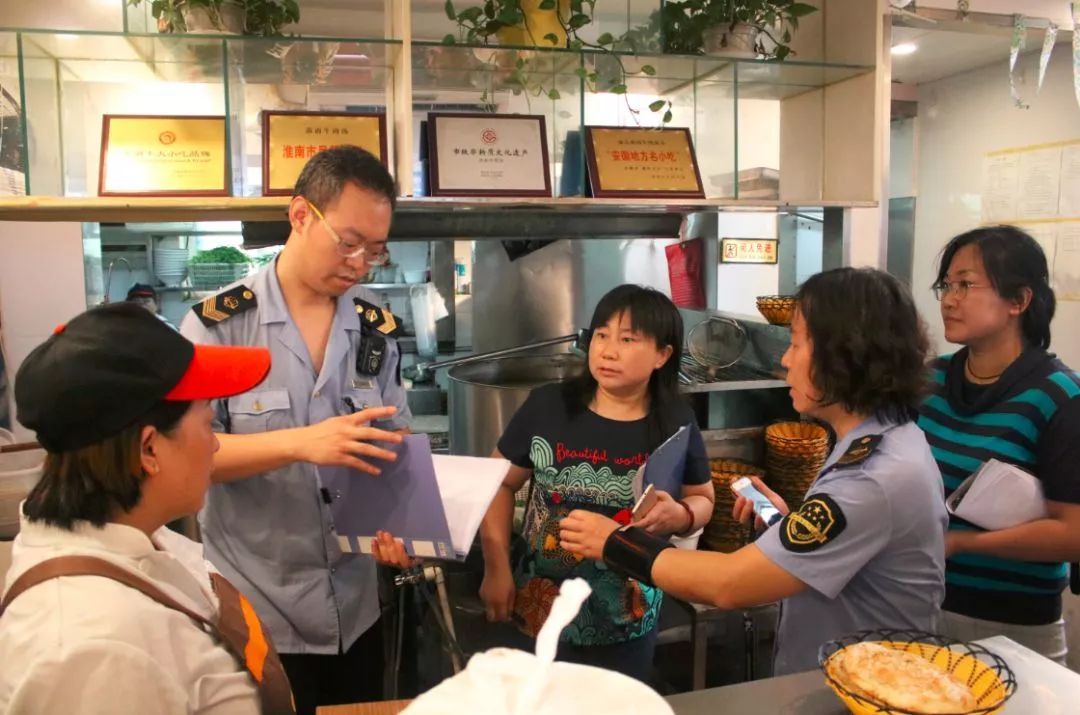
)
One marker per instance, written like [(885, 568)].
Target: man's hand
[(388, 551), (342, 441), (665, 518), (584, 533), (497, 591), (743, 510)]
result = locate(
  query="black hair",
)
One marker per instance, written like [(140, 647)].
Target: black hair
[(325, 175), (654, 315), (96, 482), (1013, 261), (870, 347)]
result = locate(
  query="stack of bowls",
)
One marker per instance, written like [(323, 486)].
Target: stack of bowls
[(170, 265), (794, 454)]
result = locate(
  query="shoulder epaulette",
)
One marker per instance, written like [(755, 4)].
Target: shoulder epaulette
[(222, 306), (378, 319), (859, 451)]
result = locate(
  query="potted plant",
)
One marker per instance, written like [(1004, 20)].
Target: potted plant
[(247, 17), (544, 23), (750, 28)]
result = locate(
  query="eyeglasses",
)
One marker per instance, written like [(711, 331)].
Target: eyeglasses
[(350, 250), (959, 288)]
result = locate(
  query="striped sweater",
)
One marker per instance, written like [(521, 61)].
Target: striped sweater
[(1031, 418)]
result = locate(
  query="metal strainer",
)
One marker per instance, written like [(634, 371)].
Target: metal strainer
[(716, 343)]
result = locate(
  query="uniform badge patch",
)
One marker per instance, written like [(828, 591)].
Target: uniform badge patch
[(378, 319), (225, 305), (859, 450), (817, 522)]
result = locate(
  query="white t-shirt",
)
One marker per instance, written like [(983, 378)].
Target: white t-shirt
[(89, 644)]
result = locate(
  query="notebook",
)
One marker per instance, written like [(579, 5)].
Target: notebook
[(997, 496), (665, 466), (433, 504)]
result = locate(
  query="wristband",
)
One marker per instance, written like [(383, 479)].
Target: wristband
[(631, 551), (690, 515)]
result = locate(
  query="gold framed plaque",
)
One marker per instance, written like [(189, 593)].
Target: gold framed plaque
[(153, 155), (748, 250), (291, 138), (488, 155), (638, 162)]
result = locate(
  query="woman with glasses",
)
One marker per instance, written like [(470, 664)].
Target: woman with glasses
[(1003, 396)]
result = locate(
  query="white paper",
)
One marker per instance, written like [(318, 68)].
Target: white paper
[(1001, 187), (1069, 202), (467, 486), (998, 496), (1066, 268), (1040, 182)]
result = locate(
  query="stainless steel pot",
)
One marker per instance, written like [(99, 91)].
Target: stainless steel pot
[(483, 396)]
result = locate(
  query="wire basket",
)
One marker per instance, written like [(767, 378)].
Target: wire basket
[(723, 533), (777, 309), (716, 343), (211, 276), (986, 674)]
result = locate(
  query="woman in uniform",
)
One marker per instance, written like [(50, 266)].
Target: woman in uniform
[(1004, 397), (104, 609), (865, 549)]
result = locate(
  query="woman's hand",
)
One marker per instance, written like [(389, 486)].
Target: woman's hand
[(743, 510), (388, 551), (584, 533), (667, 517), (957, 542), (497, 591)]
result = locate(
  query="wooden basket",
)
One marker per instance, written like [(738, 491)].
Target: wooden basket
[(723, 533), (777, 309)]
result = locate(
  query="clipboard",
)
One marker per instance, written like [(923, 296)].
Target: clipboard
[(665, 466)]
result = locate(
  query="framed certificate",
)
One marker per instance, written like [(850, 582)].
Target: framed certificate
[(642, 163), (147, 155), (488, 155), (748, 250), (291, 138)]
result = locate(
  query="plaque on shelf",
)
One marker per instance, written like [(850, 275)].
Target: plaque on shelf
[(488, 155), (748, 250), (151, 155), (291, 138), (638, 162)]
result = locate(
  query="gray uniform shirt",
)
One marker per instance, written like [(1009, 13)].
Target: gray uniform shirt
[(272, 534), (885, 568)]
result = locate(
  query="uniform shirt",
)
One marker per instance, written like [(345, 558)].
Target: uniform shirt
[(1030, 417), (88, 644), (584, 461), (272, 534), (882, 563)]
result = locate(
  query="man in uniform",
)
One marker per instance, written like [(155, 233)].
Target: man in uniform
[(332, 402)]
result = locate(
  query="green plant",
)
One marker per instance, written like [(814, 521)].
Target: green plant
[(221, 254), (481, 24), (685, 23), (261, 17)]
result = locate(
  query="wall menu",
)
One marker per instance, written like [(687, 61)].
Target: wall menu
[(488, 155), (639, 162), (163, 156), (291, 138)]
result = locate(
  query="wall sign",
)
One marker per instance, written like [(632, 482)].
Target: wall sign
[(748, 250), (488, 155), (642, 163), (163, 156), (291, 138)]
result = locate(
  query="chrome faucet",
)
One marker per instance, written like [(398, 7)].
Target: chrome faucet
[(108, 276)]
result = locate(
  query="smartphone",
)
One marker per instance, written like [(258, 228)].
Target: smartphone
[(762, 506), (645, 503)]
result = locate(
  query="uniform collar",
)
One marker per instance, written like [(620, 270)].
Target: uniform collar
[(114, 538), (870, 426), (272, 307)]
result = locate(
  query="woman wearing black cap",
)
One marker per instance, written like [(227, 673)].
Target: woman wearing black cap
[(104, 609)]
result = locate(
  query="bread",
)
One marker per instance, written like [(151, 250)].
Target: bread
[(899, 679)]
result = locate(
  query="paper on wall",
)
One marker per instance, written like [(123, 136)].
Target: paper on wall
[(1001, 183), (1069, 201), (1040, 181), (1066, 267)]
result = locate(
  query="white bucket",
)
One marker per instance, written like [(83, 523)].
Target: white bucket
[(19, 472)]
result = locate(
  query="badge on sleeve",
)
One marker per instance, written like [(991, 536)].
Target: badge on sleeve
[(222, 306), (378, 319), (817, 522), (859, 451)]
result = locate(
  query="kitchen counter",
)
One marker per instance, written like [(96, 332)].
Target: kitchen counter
[(1044, 687)]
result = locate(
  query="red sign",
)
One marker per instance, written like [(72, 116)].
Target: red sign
[(685, 263)]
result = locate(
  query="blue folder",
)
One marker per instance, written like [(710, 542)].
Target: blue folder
[(665, 466)]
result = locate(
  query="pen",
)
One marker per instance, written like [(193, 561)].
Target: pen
[(350, 405)]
